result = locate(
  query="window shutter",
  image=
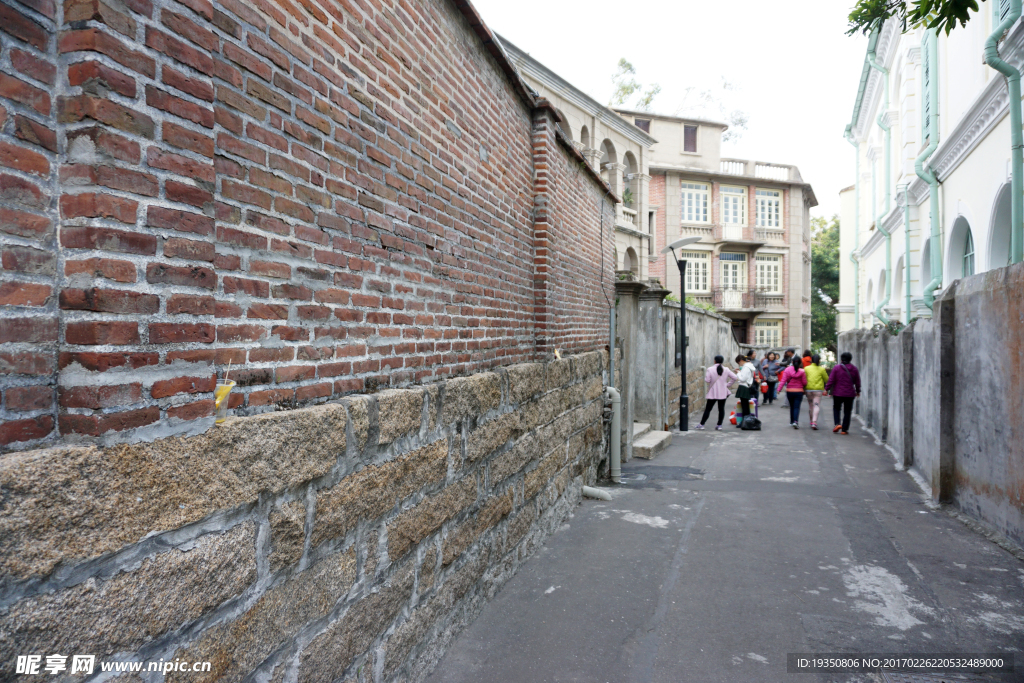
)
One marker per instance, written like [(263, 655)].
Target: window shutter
[(1004, 10)]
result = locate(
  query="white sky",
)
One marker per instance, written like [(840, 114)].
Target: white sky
[(795, 73)]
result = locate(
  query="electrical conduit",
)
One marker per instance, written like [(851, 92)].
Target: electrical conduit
[(927, 174), (1016, 134), (888, 180)]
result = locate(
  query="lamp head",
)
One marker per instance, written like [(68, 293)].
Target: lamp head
[(680, 243)]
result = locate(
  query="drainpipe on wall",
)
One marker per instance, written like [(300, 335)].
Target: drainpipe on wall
[(928, 174), (888, 180), (856, 230), (1016, 135), (906, 245)]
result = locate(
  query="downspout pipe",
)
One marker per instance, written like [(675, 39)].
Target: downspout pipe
[(927, 173), (887, 129), (616, 454), (1016, 134), (856, 229)]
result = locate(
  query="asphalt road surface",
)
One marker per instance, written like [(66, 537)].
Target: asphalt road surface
[(732, 549)]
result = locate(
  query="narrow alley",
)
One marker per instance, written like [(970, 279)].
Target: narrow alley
[(732, 549)]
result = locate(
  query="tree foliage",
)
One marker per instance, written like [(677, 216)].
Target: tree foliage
[(824, 281), (943, 15), (715, 103), (626, 86)]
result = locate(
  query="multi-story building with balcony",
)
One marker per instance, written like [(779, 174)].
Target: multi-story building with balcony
[(617, 148), (753, 261)]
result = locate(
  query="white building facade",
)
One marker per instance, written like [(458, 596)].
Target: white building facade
[(931, 199)]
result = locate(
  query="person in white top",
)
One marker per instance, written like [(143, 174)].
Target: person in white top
[(746, 382)]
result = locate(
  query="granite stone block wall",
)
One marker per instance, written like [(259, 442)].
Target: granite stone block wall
[(345, 541)]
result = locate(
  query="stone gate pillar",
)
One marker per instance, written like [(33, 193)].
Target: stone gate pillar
[(627, 297)]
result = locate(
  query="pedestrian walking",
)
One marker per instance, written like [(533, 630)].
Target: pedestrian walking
[(770, 370), (787, 360), (806, 360), (745, 390), (794, 380), (817, 376), (844, 385), (719, 379)]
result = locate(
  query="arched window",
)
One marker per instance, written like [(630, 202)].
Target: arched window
[(897, 282), (631, 181), (960, 261), (585, 136), (632, 262), (926, 266), (869, 300), (880, 294), (564, 125), (999, 233)]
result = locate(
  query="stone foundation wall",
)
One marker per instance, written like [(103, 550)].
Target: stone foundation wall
[(350, 540)]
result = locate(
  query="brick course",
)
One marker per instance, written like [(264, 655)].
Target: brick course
[(335, 199)]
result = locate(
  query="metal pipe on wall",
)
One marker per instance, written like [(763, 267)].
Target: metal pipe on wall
[(927, 174), (856, 230)]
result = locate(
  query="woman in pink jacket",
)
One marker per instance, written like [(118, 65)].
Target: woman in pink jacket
[(794, 380), (719, 379)]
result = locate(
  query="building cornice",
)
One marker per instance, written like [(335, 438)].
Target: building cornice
[(885, 50), (530, 67), (893, 220), (873, 243), (984, 114)]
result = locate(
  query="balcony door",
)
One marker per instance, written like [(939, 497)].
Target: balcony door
[(734, 279)]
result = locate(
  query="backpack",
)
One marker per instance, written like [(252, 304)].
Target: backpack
[(751, 423)]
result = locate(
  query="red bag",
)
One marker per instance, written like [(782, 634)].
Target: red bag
[(764, 387)]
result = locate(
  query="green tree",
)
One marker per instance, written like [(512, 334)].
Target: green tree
[(824, 281), (626, 86), (943, 15)]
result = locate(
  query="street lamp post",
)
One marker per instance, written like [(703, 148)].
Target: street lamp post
[(684, 399)]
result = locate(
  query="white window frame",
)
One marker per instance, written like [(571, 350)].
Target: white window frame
[(698, 271), (737, 263), (769, 273), (768, 204), (734, 205), (694, 201), (768, 332)]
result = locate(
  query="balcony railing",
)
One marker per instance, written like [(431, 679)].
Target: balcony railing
[(771, 171), (733, 167), (629, 217), (771, 235), (746, 299), (696, 230)]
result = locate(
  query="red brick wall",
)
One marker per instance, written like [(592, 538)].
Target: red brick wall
[(29, 170), (330, 196)]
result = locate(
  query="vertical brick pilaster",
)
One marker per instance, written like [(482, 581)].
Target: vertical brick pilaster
[(29, 325)]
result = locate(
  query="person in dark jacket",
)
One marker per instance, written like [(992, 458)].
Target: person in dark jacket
[(844, 385), (770, 370)]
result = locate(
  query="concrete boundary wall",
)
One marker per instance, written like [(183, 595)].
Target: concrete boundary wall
[(351, 539), (657, 382), (944, 395)]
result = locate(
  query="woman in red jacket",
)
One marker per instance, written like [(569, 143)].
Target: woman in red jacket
[(794, 380)]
